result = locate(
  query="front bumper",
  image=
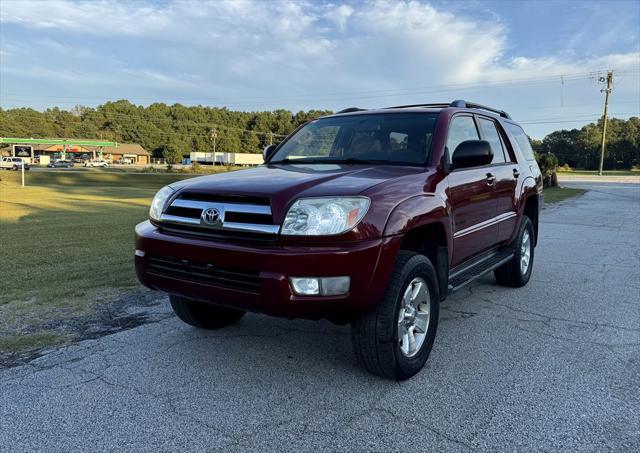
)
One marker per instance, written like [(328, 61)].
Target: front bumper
[(368, 263)]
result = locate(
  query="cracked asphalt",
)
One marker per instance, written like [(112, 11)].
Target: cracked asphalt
[(554, 366)]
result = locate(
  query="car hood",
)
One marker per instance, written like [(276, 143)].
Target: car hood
[(284, 183)]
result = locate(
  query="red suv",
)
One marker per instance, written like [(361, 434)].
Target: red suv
[(368, 217)]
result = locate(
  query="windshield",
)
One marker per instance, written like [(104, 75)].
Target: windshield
[(394, 138)]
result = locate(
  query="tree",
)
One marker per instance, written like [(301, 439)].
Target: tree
[(548, 164), (174, 151), (249, 142)]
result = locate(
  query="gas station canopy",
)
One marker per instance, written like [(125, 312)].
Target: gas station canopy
[(56, 141)]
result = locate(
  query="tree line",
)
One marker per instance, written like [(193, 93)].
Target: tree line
[(164, 130), (580, 148), (173, 131)]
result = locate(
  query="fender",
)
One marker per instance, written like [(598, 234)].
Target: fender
[(417, 211), (528, 188)]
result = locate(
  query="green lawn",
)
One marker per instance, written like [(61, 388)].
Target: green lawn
[(555, 194), (66, 243), (595, 172)]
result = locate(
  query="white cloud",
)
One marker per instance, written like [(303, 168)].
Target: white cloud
[(289, 53), (100, 17), (340, 15)]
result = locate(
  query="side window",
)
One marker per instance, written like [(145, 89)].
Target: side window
[(461, 128), (490, 134), (521, 141)]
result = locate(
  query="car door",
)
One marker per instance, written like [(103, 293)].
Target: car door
[(471, 196), (506, 172)]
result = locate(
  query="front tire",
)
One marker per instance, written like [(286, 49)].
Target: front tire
[(394, 340), (204, 315), (517, 271)]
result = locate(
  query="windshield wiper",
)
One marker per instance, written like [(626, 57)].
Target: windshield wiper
[(354, 160), (349, 160), (301, 161)]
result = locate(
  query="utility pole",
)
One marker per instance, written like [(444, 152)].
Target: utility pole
[(606, 90), (270, 138)]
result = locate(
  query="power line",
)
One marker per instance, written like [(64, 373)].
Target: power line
[(427, 89), (173, 122)]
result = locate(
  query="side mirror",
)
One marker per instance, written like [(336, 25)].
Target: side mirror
[(267, 152), (472, 153)]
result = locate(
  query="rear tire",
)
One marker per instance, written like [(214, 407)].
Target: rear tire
[(204, 315), (515, 273), (394, 339)]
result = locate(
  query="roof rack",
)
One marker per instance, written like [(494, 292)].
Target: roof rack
[(351, 109), (470, 105), (436, 105), (457, 103)]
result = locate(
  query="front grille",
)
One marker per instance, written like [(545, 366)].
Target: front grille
[(217, 198), (204, 273), (237, 214)]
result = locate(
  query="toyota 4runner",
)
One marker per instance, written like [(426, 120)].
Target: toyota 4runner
[(368, 217)]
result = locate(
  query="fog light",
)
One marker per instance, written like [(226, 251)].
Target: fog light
[(305, 286), (323, 286)]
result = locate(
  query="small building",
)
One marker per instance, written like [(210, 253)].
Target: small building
[(136, 153), (132, 151), (71, 151)]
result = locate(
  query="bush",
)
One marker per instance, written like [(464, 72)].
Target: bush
[(548, 164), (195, 167)]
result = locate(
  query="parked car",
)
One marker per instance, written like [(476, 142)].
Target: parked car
[(61, 164), (96, 163), (124, 161), (13, 163), (368, 217)]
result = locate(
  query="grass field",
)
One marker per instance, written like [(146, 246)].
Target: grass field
[(605, 173), (66, 244), (555, 194)]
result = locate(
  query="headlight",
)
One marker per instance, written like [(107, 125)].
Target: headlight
[(324, 216), (157, 205)]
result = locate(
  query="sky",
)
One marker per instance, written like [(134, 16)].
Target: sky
[(538, 60)]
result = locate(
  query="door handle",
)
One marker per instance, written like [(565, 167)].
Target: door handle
[(516, 173), (491, 178)]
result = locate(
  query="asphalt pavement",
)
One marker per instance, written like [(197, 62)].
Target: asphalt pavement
[(553, 366)]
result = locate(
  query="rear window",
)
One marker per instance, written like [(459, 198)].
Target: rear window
[(522, 141)]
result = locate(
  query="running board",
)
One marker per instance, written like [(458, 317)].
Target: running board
[(466, 273)]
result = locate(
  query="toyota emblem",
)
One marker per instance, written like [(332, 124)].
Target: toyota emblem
[(212, 216)]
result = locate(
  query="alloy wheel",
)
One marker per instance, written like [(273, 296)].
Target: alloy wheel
[(413, 317)]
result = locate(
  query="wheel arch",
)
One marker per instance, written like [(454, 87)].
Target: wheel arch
[(431, 240), (531, 209), (530, 205), (424, 224)]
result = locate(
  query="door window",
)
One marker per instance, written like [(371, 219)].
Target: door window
[(490, 134), (461, 128)]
